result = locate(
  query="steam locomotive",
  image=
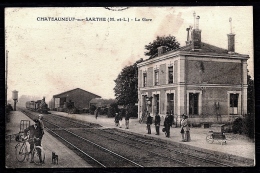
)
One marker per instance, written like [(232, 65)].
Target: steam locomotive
[(38, 106)]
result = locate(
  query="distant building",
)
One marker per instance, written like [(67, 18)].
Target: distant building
[(79, 97), (205, 82)]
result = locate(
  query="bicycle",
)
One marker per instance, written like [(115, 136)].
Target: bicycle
[(21, 151)]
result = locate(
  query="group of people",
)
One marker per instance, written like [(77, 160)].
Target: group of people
[(119, 120), (168, 122), (35, 132)]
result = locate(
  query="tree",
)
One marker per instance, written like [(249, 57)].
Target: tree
[(249, 120), (250, 95), (169, 42), (126, 85), (112, 110)]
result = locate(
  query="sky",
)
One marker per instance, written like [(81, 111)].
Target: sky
[(48, 57)]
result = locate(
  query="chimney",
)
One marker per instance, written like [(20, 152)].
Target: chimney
[(231, 39), (196, 36), (161, 50)]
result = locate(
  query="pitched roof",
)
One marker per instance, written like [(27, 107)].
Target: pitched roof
[(57, 95), (205, 49)]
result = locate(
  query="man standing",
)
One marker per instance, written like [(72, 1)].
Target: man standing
[(127, 120), (157, 123), (41, 124), (167, 124), (149, 122), (97, 112), (117, 120), (35, 136), (171, 119)]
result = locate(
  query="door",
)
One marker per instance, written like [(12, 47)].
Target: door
[(193, 103), (156, 104), (233, 104), (170, 103)]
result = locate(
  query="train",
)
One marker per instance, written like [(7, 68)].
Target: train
[(38, 106)]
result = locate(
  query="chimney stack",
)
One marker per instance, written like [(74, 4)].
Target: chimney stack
[(196, 36), (161, 50), (231, 39)]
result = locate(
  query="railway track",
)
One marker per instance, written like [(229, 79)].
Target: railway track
[(145, 151), (163, 151), (90, 151)]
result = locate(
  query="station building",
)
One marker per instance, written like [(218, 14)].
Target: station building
[(78, 97), (205, 82)]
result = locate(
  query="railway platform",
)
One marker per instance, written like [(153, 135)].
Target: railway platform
[(239, 146), (67, 158)]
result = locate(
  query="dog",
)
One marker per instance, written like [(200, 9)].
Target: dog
[(55, 158)]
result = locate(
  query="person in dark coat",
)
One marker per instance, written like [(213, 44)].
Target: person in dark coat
[(117, 120), (35, 131), (167, 124), (97, 112), (149, 122), (41, 123), (171, 119), (157, 121), (127, 119)]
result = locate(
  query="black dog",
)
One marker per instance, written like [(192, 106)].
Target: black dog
[(55, 158)]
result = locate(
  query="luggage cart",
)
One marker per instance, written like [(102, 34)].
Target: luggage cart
[(216, 134)]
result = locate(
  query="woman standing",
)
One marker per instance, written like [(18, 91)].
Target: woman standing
[(120, 118), (185, 129)]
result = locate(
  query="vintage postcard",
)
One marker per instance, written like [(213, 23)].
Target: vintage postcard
[(131, 86)]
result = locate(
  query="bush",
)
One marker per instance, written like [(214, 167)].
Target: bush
[(103, 111), (248, 125), (237, 126), (8, 108), (85, 110), (112, 110)]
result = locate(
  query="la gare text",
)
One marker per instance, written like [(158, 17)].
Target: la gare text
[(93, 19)]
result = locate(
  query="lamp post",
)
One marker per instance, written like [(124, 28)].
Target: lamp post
[(15, 98), (148, 102)]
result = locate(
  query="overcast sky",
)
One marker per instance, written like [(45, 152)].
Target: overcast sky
[(50, 57)]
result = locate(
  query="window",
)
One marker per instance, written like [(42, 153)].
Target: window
[(170, 103), (156, 76), (193, 103), (157, 103), (170, 74), (233, 103), (145, 79)]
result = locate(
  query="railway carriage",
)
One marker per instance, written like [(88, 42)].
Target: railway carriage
[(30, 105)]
